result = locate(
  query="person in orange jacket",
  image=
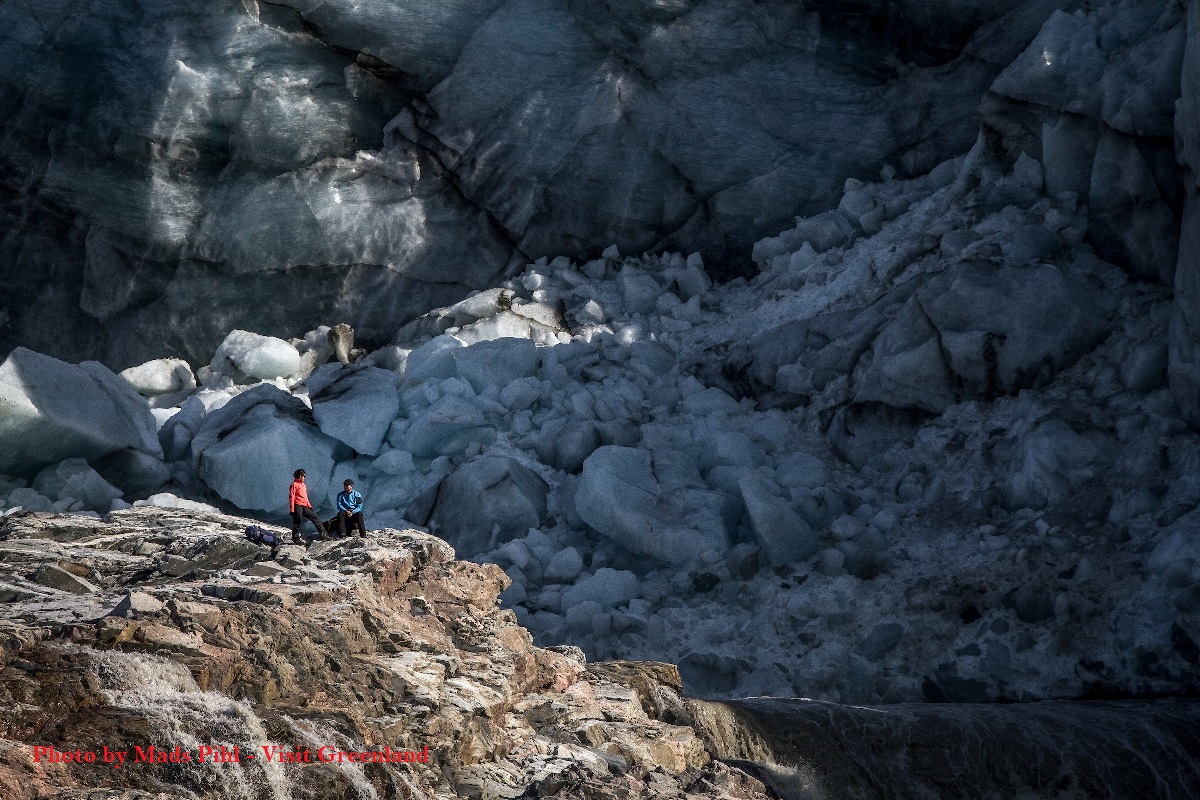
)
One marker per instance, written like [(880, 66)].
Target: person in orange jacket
[(302, 509)]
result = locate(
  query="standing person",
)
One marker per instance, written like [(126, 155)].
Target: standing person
[(350, 506), (302, 509)]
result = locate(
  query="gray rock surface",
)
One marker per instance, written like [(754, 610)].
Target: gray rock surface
[(63, 580), (138, 603)]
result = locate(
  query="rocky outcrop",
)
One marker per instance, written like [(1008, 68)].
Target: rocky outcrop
[(171, 629)]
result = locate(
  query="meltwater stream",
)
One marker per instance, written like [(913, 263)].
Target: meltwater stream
[(165, 693), (1057, 750)]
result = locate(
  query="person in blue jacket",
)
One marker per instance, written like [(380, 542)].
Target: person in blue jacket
[(350, 509)]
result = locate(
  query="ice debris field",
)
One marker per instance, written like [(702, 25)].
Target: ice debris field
[(926, 454)]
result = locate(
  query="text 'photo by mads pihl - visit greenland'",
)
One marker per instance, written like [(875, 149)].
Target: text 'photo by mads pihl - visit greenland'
[(639, 399)]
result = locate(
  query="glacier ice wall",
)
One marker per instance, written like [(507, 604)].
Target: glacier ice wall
[(1185, 324), (371, 161)]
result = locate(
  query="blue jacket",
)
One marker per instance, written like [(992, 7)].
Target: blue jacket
[(350, 501)]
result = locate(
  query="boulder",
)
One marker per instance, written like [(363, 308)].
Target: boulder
[(607, 587), (497, 362), (621, 495), (978, 331), (247, 450), (160, 376), (802, 470), (783, 536), (134, 472), (135, 604), (1146, 367), (564, 567), (51, 411), (1050, 462), (447, 427), (251, 355), (29, 500), (355, 405), (61, 579), (433, 359), (74, 478), (882, 639), (341, 339), (572, 445), (487, 502), (1032, 603)]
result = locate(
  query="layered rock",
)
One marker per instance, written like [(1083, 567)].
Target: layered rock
[(171, 629)]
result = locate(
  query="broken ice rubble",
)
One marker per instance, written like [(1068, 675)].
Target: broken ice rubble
[(903, 462)]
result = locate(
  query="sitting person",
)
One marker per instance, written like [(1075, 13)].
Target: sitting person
[(350, 505), (302, 509)]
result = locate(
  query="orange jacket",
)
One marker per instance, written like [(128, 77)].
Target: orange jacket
[(299, 495)]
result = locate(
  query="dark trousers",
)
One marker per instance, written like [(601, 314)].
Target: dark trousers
[(305, 513), (347, 520)]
